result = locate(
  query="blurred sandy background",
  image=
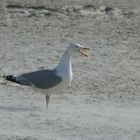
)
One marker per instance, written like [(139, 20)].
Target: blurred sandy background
[(103, 102)]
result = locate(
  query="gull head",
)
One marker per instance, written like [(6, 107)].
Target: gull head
[(74, 47)]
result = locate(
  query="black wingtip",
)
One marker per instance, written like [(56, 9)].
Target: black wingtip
[(9, 78)]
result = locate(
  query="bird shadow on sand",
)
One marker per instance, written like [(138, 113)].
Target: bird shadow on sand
[(17, 109)]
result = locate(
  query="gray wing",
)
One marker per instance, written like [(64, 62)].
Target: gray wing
[(43, 79)]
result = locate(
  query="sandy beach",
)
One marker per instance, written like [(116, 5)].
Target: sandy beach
[(103, 102)]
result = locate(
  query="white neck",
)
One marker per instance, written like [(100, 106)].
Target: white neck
[(64, 68), (65, 62)]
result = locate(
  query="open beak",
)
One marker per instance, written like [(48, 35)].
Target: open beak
[(84, 51)]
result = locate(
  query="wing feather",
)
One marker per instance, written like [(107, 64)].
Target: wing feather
[(43, 79)]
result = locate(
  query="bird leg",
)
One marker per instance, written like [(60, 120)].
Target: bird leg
[(47, 100)]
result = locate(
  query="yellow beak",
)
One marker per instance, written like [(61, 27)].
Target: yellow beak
[(85, 51)]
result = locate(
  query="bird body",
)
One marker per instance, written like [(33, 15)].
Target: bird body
[(50, 81)]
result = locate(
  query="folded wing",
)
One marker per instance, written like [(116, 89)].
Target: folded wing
[(43, 79)]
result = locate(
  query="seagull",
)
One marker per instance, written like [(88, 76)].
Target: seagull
[(47, 81)]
